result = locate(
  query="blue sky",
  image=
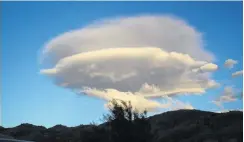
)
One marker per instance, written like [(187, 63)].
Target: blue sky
[(29, 97)]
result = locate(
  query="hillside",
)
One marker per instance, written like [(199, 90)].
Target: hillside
[(173, 126)]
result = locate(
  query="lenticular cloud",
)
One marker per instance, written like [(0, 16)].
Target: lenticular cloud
[(142, 56)]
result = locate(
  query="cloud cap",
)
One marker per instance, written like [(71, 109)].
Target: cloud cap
[(125, 53)]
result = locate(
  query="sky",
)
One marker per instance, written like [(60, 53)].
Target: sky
[(63, 61)]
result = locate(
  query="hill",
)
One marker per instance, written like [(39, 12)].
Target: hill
[(172, 126)]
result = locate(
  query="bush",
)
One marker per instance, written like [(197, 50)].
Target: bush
[(126, 124)]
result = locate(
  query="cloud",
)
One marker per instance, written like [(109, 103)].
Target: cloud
[(167, 32), (208, 67), (228, 95), (149, 89), (177, 104), (229, 63), (237, 73), (228, 110), (137, 101), (148, 56), (195, 88), (212, 84), (100, 69)]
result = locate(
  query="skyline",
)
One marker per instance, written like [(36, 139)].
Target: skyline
[(52, 50)]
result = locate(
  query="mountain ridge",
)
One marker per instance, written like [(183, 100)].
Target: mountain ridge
[(179, 125)]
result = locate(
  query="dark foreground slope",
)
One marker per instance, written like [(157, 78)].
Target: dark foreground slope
[(173, 126)]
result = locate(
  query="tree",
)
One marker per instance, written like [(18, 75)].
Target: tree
[(126, 124)]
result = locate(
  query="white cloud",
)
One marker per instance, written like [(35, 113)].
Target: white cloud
[(227, 110), (175, 92), (237, 73), (149, 89), (228, 95), (166, 32), (218, 103), (208, 67), (127, 69), (177, 104), (138, 102), (212, 84), (229, 63), (149, 56)]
